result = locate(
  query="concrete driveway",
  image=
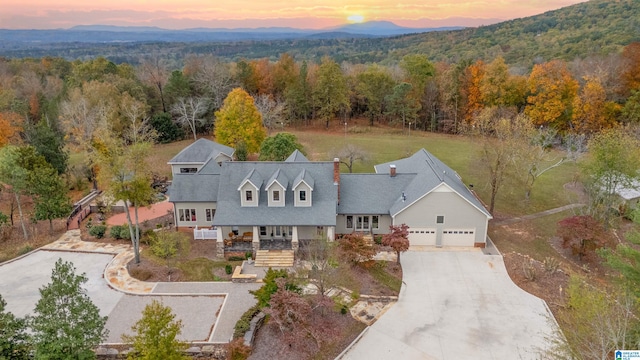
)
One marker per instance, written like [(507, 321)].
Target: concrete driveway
[(457, 305)]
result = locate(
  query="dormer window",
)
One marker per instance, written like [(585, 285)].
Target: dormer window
[(276, 195), (248, 195), (303, 195)]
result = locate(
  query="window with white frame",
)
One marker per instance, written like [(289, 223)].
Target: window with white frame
[(263, 231), (187, 215), (248, 195), (374, 221), (349, 224), (209, 214), (303, 195), (276, 195), (190, 170)]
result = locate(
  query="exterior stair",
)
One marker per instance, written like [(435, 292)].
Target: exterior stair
[(274, 258)]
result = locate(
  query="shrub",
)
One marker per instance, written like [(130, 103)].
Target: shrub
[(236, 258), (529, 270), (237, 350), (356, 249), (116, 231), (377, 239), (243, 325), (98, 231), (248, 254), (228, 269), (25, 249)]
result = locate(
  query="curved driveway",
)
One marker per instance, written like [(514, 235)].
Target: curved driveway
[(457, 305)]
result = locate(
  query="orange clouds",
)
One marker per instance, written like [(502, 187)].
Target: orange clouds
[(233, 13)]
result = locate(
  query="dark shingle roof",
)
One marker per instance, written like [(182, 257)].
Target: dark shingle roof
[(323, 198), (371, 193), (297, 156), (200, 151), (194, 188), (431, 172)]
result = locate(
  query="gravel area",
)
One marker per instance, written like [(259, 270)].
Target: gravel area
[(196, 325), (238, 300), (21, 279)]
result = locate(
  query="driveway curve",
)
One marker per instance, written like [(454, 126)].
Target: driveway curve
[(457, 305)]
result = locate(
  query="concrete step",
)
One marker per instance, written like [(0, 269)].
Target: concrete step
[(274, 258)]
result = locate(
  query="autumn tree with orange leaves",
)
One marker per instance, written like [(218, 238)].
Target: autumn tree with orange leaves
[(553, 90), (591, 110)]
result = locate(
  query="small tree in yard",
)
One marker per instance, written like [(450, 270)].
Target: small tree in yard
[(263, 295), (397, 239), (66, 325), (355, 248), (302, 321), (14, 341), (156, 334), (583, 234), (324, 267)]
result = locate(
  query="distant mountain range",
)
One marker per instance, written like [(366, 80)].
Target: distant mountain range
[(115, 34)]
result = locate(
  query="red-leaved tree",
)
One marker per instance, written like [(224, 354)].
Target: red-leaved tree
[(582, 234), (355, 248), (397, 239)]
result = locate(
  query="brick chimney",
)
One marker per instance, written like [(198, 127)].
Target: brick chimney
[(336, 176), (392, 170)]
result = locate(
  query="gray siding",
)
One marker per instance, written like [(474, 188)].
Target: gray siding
[(458, 214), (200, 207), (383, 225)]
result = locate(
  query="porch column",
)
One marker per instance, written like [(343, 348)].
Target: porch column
[(220, 242), (331, 233), (255, 240), (294, 238)]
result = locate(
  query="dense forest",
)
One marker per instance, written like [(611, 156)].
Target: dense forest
[(594, 27)]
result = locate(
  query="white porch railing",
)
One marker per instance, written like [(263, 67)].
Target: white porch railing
[(205, 234)]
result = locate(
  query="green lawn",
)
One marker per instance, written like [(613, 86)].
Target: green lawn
[(458, 152)]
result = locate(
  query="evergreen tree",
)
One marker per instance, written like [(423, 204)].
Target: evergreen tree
[(14, 341), (66, 325)]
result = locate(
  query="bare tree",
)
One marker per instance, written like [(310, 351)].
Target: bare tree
[(138, 127), (271, 111), (214, 78), (539, 159), (350, 154), (189, 112), (154, 72)]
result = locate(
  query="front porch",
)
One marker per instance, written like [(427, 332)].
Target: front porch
[(263, 244)]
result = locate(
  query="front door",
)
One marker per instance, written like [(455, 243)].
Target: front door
[(362, 223)]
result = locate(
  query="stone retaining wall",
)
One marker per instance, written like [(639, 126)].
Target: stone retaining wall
[(195, 351)]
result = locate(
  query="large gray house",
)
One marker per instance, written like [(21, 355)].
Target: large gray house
[(298, 199)]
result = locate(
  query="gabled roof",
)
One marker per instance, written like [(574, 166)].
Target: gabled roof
[(303, 176), (296, 156), (254, 178), (430, 173), (200, 151), (278, 177), (210, 168), (230, 212)]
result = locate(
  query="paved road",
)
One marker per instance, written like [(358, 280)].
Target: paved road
[(457, 305)]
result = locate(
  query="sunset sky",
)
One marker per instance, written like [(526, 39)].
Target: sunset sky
[(180, 14)]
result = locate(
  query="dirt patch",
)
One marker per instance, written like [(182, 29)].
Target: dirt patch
[(269, 344), (549, 286)]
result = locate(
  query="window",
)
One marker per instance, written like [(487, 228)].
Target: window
[(187, 215), (440, 219), (263, 231), (248, 195), (188, 170), (303, 195), (278, 231), (209, 214), (374, 222), (276, 195), (349, 222)]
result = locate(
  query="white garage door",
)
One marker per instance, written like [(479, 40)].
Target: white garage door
[(422, 236), (458, 237)]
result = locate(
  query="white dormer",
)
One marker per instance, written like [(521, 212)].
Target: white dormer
[(250, 189), (303, 189), (276, 188)]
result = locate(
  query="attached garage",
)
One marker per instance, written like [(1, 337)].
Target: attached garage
[(422, 236), (458, 237)]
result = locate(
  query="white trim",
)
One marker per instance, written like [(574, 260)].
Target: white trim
[(453, 191)]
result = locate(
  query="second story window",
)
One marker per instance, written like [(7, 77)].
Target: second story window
[(303, 195), (276, 195), (248, 195)]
